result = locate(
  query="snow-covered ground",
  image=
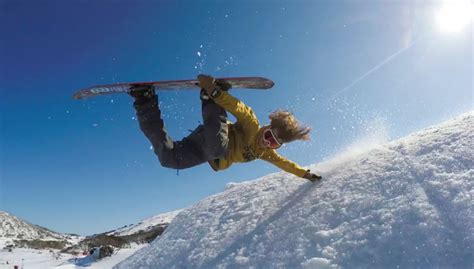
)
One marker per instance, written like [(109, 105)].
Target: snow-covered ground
[(44, 259), (405, 204), (31, 259)]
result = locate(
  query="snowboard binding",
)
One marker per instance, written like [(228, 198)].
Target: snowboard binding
[(142, 91)]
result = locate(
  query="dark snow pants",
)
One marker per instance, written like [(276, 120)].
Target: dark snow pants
[(207, 142)]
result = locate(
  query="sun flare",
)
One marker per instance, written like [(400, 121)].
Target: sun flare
[(454, 15)]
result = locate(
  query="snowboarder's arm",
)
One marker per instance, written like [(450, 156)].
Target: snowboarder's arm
[(241, 111), (273, 157)]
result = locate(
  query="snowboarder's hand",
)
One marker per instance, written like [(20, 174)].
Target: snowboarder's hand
[(208, 83), (311, 176)]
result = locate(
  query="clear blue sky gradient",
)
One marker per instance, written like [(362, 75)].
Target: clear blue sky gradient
[(84, 166)]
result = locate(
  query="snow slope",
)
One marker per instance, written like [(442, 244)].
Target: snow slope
[(405, 204)]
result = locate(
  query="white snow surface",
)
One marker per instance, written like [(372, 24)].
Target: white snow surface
[(31, 259), (404, 204), (146, 224), (48, 259)]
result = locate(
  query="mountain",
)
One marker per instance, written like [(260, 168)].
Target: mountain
[(404, 204), (15, 231), (143, 232), (19, 233), (146, 225), (35, 247)]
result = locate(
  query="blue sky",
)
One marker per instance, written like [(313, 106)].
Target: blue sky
[(349, 69)]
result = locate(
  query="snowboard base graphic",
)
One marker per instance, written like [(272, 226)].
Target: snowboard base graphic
[(190, 84)]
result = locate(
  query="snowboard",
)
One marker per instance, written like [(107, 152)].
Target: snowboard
[(189, 84)]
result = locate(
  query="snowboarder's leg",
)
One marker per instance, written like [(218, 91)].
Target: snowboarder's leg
[(179, 155), (185, 153), (216, 133)]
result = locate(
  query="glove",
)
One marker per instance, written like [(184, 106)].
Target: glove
[(208, 83), (312, 177)]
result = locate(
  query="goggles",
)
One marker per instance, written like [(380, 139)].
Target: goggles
[(270, 139)]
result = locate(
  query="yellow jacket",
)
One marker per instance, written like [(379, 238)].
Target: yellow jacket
[(243, 139)]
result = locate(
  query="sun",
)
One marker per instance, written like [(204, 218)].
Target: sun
[(454, 15)]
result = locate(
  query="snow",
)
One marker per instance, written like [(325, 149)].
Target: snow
[(107, 262), (43, 259), (28, 258), (404, 204)]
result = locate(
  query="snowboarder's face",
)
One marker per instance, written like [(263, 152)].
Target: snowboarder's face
[(269, 139)]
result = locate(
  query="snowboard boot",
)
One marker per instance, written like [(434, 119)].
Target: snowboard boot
[(204, 96), (146, 104), (142, 92)]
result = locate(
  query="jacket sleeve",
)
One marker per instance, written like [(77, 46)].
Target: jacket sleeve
[(243, 113), (276, 159)]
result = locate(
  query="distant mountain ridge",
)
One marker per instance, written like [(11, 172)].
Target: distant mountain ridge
[(143, 232), (146, 224), (14, 230)]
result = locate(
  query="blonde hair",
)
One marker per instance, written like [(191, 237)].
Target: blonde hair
[(287, 126)]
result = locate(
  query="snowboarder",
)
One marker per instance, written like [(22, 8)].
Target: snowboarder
[(217, 141)]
